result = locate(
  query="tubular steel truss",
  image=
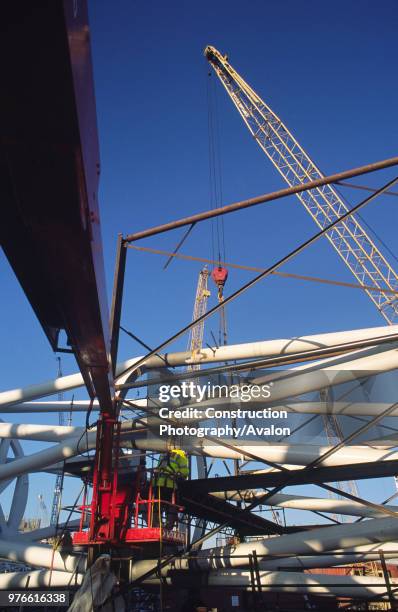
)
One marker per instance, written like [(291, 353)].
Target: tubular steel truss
[(196, 333), (324, 204)]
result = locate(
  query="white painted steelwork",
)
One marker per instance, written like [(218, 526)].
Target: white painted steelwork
[(252, 350), (41, 556), (295, 582), (316, 540), (39, 579)]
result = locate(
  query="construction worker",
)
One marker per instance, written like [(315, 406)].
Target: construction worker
[(172, 467)]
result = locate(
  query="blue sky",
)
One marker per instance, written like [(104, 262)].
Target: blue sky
[(327, 69)]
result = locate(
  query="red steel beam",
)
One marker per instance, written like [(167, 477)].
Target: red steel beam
[(49, 172)]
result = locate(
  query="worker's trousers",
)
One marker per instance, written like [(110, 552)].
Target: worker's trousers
[(163, 513)]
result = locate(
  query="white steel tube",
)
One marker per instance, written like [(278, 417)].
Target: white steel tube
[(330, 372), (41, 433), (59, 406), (342, 408), (48, 433), (51, 387), (257, 404), (318, 375), (318, 584), (39, 579), (47, 532), (293, 454), (268, 348), (360, 554), (317, 540), (41, 556), (252, 350), (300, 454), (49, 456), (55, 406), (295, 582)]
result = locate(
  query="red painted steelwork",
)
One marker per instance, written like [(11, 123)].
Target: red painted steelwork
[(219, 276)]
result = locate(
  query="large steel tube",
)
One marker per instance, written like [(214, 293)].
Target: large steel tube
[(359, 409), (317, 540), (296, 582), (64, 383), (234, 352), (41, 433), (51, 387), (268, 348), (293, 454), (52, 433), (356, 554), (342, 408), (299, 454), (41, 556), (39, 579), (48, 532), (55, 406), (318, 375), (318, 584), (58, 406), (49, 456), (330, 372), (360, 554)]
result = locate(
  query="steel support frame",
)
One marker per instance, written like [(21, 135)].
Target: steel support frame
[(117, 298), (268, 197)]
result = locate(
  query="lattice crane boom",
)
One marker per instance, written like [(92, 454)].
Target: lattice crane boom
[(59, 481), (324, 204), (196, 334)]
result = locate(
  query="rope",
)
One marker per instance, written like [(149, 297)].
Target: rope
[(215, 177)]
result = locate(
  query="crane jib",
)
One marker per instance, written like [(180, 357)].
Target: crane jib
[(325, 205)]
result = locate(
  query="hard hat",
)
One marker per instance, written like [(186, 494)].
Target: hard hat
[(179, 451)]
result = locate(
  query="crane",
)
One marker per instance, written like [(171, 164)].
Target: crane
[(195, 343), (324, 204), (43, 510), (200, 306), (59, 482)]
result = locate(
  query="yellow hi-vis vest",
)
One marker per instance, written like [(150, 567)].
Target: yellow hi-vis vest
[(171, 467)]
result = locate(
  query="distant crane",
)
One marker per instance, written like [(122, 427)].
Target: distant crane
[(324, 204), (43, 511), (59, 482), (195, 341)]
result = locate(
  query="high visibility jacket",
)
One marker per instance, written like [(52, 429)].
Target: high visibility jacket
[(171, 467)]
